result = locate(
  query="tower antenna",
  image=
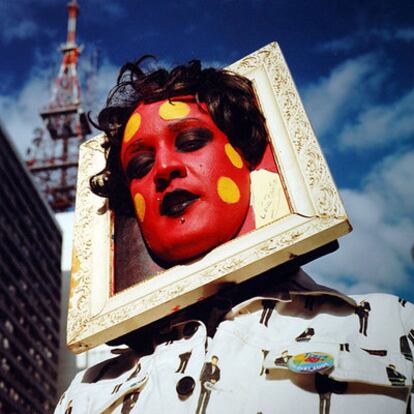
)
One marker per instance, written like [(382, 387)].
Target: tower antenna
[(54, 159)]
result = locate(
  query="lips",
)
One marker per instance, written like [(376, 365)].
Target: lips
[(176, 202)]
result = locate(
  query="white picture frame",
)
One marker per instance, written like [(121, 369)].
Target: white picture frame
[(316, 217)]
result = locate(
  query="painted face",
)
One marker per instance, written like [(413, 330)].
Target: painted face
[(189, 186)]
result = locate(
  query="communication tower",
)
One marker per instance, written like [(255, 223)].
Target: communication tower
[(53, 159)]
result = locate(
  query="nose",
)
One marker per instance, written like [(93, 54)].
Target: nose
[(168, 167)]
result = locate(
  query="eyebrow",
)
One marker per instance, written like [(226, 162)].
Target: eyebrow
[(134, 146), (131, 150), (176, 126), (179, 125)]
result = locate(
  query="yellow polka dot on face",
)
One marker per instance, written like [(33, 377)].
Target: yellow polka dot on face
[(132, 126), (173, 110), (139, 204), (233, 156), (227, 190)]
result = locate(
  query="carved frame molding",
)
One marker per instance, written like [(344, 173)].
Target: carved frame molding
[(317, 217)]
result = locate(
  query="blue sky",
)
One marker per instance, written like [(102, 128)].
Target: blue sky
[(353, 65)]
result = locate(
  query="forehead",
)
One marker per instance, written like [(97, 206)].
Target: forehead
[(160, 114), (171, 109)]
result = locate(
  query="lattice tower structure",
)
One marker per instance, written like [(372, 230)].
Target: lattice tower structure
[(53, 159)]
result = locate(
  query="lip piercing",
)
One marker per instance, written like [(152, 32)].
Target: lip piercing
[(158, 199), (182, 220)]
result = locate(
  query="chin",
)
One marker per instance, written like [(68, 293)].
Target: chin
[(175, 243), (181, 254), (181, 251)]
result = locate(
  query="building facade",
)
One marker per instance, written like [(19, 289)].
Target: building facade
[(30, 282)]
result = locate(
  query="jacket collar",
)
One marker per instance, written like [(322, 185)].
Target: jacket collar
[(282, 287), (275, 284), (300, 283)]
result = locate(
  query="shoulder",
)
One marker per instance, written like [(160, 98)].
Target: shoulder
[(104, 375), (389, 313), (384, 298), (384, 301)]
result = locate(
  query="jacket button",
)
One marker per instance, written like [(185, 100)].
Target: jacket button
[(185, 387)]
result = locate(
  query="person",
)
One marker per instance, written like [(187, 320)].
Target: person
[(184, 163), (186, 153), (208, 378), (173, 135)]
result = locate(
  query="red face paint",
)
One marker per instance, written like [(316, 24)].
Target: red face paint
[(191, 188)]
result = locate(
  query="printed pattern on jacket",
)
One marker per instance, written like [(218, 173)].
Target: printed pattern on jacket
[(249, 365)]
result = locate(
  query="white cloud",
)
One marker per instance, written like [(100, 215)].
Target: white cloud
[(342, 44), (106, 80), (20, 111), (363, 37), (376, 255), (113, 10), (394, 177), (348, 111), (405, 34), (349, 86), (100, 86), (17, 20), (401, 34), (23, 29), (20, 115), (381, 125)]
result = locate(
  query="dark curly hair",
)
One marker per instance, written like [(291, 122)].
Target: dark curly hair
[(229, 97)]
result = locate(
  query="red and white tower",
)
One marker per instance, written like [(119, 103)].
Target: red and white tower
[(53, 160)]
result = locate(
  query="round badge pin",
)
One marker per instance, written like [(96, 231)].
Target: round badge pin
[(310, 362)]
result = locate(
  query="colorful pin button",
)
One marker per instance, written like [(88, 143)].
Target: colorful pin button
[(310, 362)]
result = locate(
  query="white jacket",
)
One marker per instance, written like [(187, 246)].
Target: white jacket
[(354, 355)]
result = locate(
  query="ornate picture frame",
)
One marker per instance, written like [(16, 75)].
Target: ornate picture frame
[(315, 217)]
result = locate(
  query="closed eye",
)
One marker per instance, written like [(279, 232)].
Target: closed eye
[(140, 165), (192, 139)]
